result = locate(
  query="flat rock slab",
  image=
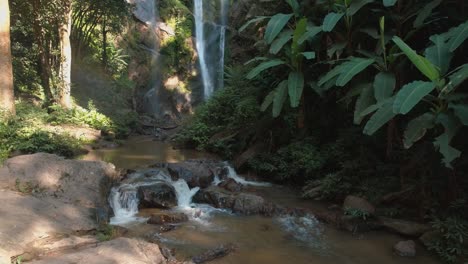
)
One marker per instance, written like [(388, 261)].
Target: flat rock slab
[(118, 251)]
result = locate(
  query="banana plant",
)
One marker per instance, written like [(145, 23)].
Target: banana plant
[(438, 91), (286, 35)]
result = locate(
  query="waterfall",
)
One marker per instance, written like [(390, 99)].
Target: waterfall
[(184, 193), (210, 27)]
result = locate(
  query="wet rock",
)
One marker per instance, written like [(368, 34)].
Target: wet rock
[(215, 196), (212, 254), (158, 195), (231, 185), (196, 174), (168, 253), (248, 204), (404, 227), (166, 228), (118, 251), (405, 248), (429, 237), (357, 203), (167, 218)]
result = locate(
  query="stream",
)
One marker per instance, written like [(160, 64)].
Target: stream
[(257, 239)]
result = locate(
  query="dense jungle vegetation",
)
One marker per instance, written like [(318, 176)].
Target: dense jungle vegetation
[(45, 97), (352, 97), (335, 97)]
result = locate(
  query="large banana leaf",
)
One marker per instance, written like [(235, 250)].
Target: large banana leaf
[(439, 53), (410, 95), (461, 111), (450, 153), (384, 85), (295, 87), (268, 101), (417, 128), (458, 35), (351, 68), (423, 65), (380, 118), (310, 33), (425, 13), (295, 6), (275, 26), (331, 20), (264, 66), (458, 77), (365, 99), (279, 42), (280, 97)]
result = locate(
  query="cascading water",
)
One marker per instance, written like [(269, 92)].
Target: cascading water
[(210, 27), (124, 199)]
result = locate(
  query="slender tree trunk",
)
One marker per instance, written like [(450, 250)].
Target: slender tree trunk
[(66, 58), (7, 98), (104, 42)]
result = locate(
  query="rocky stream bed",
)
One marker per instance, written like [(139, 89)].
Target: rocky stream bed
[(191, 211)]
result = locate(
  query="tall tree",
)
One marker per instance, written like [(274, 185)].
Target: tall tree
[(66, 56), (7, 99)]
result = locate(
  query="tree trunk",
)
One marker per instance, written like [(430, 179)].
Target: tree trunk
[(66, 58), (7, 98), (45, 71), (104, 43)]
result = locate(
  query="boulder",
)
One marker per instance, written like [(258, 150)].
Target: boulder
[(405, 248), (429, 237), (403, 227), (167, 218), (157, 195), (231, 185), (248, 204), (357, 203), (215, 196), (195, 173), (118, 251)]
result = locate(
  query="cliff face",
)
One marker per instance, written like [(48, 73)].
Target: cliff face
[(159, 41)]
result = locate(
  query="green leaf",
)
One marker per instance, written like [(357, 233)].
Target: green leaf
[(410, 95), (356, 5), (388, 3), (351, 68), (264, 66), (375, 107), (280, 97), (310, 33), (275, 26), (461, 111), (439, 53), (365, 99), (458, 35), (295, 87), (309, 55), (295, 6), (426, 12), (448, 152), (423, 65), (301, 28), (450, 122), (380, 118), (330, 75), (256, 59), (458, 77), (384, 85), (268, 101), (417, 128), (331, 20), (371, 32), (279, 43), (252, 21)]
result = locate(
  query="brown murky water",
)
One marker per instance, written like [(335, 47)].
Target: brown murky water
[(142, 151), (257, 239)]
